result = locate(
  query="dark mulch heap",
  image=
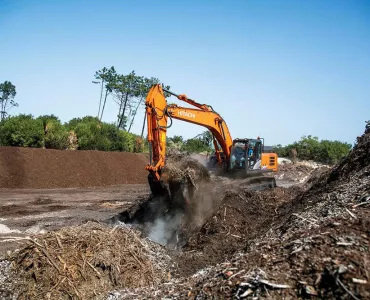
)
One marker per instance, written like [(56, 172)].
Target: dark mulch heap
[(46, 168)]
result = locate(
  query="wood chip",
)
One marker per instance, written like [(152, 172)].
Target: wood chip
[(360, 204), (58, 241), (297, 250), (238, 273), (95, 270), (275, 285), (359, 281), (351, 214), (298, 216), (246, 293), (344, 244), (236, 236)]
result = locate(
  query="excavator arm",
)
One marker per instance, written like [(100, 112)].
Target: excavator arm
[(159, 118)]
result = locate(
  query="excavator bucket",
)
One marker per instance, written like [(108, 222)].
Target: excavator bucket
[(178, 182), (171, 197)]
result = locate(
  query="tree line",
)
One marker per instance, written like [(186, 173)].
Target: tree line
[(47, 131), (307, 148), (311, 148), (87, 133)]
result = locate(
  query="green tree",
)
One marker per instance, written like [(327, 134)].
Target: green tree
[(100, 75), (126, 88), (22, 131), (95, 135), (311, 148), (108, 79), (177, 139), (201, 143), (142, 90), (72, 124), (195, 146), (91, 137), (7, 95), (55, 134)]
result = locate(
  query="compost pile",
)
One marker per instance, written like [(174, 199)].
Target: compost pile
[(35, 168), (240, 215), (317, 244), (85, 261), (299, 172)]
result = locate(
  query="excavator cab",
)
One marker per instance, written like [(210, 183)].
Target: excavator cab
[(248, 157)]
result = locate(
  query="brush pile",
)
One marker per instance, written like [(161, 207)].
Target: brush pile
[(181, 167), (85, 261)]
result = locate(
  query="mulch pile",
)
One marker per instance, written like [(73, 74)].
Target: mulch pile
[(46, 168), (239, 216), (300, 172), (86, 261), (316, 245)]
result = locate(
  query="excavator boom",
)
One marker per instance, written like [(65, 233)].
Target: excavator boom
[(159, 114)]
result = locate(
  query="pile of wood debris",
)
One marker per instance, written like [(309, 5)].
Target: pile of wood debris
[(84, 261)]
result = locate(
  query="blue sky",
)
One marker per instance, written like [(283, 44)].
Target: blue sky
[(279, 69)]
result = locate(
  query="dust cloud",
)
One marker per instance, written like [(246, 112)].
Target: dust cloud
[(164, 230), (202, 159)]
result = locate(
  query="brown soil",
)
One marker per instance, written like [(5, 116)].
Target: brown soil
[(47, 168)]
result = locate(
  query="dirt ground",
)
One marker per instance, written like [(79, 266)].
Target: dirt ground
[(25, 212)]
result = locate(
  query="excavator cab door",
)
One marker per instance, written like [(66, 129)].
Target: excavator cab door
[(255, 149)]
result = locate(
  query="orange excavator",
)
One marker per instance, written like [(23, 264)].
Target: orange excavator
[(232, 156)]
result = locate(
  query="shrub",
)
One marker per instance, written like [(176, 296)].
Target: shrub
[(90, 137), (195, 146), (48, 131), (310, 148), (129, 141), (22, 131), (72, 124), (56, 135)]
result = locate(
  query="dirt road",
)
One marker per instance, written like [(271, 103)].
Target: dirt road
[(30, 211)]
